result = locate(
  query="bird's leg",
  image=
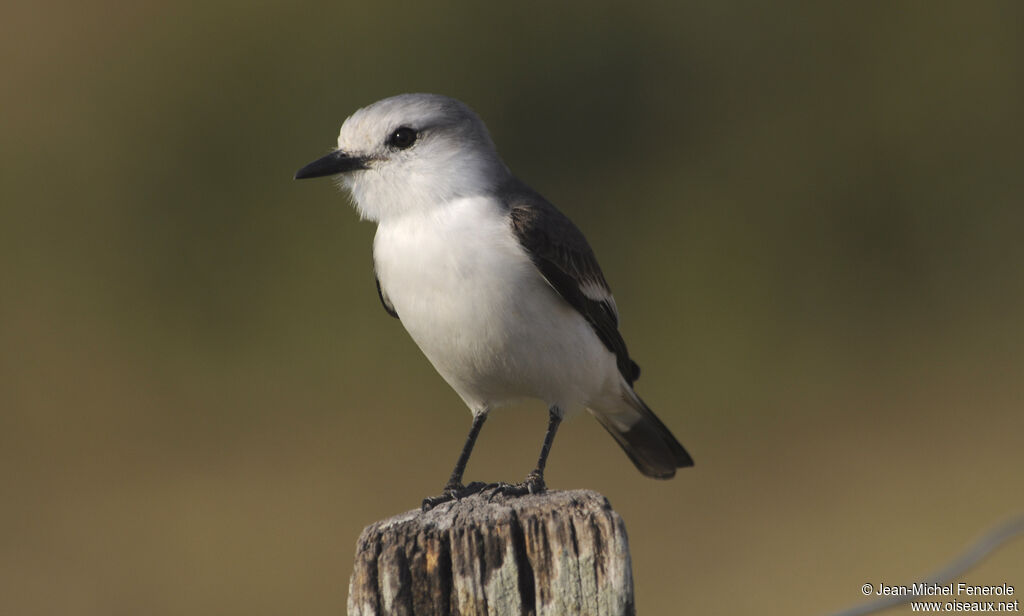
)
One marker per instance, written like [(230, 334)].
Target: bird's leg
[(534, 483), (535, 480), (454, 489), (455, 481)]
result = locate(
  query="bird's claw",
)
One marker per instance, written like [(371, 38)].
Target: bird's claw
[(534, 484), (453, 492)]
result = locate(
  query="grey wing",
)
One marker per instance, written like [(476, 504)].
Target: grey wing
[(384, 301), (562, 255)]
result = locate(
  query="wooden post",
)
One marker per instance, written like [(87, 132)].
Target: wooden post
[(551, 553)]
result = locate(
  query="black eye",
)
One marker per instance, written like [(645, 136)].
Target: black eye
[(402, 138)]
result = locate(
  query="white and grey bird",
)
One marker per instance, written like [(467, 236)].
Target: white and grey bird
[(498, 288)]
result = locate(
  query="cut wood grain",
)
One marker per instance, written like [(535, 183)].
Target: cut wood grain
[(552, 553)]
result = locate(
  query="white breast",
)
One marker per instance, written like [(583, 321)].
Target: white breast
[(473, 301)]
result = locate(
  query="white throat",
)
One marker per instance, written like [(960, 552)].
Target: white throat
[(421, 185)]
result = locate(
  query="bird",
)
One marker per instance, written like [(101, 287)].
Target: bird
[(496, 286)]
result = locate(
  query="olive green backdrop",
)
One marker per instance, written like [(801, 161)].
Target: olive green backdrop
[(811, 215)]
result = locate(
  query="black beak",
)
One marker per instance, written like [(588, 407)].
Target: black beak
[(332, 164)]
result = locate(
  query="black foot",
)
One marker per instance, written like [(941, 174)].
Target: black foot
[(453, 492), (534, 484)]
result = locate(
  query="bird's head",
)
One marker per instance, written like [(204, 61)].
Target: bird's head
[(411, 152)]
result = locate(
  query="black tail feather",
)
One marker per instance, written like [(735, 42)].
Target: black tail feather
[(648, 443)]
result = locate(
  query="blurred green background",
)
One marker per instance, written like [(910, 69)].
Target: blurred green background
[(811, 216)]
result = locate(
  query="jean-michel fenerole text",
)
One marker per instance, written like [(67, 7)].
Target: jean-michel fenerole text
[(958, 589)]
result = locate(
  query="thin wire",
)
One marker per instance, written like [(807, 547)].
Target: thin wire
[(974, 554)]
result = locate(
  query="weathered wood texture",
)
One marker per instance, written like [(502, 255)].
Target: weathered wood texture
[(553, 553)]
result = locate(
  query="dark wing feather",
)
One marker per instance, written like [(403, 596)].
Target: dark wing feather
[(564, 258), (383, 300)]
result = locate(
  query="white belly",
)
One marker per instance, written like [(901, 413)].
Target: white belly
[(472, 300)]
